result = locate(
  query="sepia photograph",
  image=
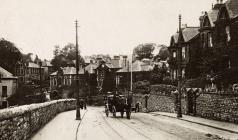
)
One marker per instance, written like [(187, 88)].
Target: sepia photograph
[(118, 69)]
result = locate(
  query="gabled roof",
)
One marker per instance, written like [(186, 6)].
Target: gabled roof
[(89, 68), (33, 65), (5, 73), (66, 71), (212, 16), (232, 8), (188, 34)]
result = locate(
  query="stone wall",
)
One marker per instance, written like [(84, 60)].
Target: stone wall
[(23, 121), (159, 99), (223, 107)]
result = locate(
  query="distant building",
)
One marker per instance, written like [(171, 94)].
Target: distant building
[(140, 70), (8, 86), (48, 69)]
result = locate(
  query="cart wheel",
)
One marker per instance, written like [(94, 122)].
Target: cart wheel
[(113, 111), (128, 114)]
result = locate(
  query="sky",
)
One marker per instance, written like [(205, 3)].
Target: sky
[(106, 26)]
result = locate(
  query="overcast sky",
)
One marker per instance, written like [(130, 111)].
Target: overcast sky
[(107, 26)]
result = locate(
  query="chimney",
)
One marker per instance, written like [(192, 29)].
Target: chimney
[(221, 1), (91, 61), (116, 57), (124, 61), (184, 26)]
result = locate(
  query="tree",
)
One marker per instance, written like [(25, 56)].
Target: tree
[(65, 56), (144, 51), (9, 55), (163, 53)]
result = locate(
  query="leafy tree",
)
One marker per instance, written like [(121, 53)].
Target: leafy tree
[(9, 55), (65, 56), (163, 53), (27, 57), (159, 74), (144, 51), (105, 57)]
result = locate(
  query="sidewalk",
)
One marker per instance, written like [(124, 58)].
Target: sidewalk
[(62, 127), (224, 126)]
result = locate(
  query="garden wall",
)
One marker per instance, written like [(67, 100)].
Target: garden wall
[(223, 107), (159, 99), (23, 121)]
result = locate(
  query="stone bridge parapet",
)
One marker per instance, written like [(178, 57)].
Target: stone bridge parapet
[(23, 121)]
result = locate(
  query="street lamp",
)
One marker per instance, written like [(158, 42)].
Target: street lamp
[(78, 116)]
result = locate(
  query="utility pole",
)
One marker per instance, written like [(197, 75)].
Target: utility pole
[(78, 116), (179, 110), (40, 64)]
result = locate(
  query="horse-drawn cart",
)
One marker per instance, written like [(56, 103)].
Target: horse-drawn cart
[(118, 103)]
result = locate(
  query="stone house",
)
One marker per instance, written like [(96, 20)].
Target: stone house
[(188, 51), (29, 72), (8, 86), (218, 32), (140, 71)]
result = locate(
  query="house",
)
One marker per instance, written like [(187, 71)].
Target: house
[(48, 69), (106, 73), (66, 76), (140, 70), (189, 40), (34, 72), (219, 39), (8, 86)]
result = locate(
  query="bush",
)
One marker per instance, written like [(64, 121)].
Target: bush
[(141, 87), (162, 89)]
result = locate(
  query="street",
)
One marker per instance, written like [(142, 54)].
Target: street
[(142, 126)]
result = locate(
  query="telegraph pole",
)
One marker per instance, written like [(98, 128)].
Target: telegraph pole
[(179, 110), (78, 116)]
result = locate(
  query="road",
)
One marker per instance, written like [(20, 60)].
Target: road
[(142, 126)]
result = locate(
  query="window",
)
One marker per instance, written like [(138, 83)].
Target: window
[(174, 71), (183, 73), (228, 36), (4, 91), (183, 53), (174, 54), (209, 40)]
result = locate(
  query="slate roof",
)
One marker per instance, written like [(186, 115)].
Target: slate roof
[(66, 71), (89, 68), (212, 15), (232, 8), (188, 34), (137, 66), (33, 65), (5, 73)]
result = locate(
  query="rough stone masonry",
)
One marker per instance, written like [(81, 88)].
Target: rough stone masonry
[(21, 122)]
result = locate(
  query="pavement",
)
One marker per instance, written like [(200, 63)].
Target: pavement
[(224, 126), (62, 127)]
